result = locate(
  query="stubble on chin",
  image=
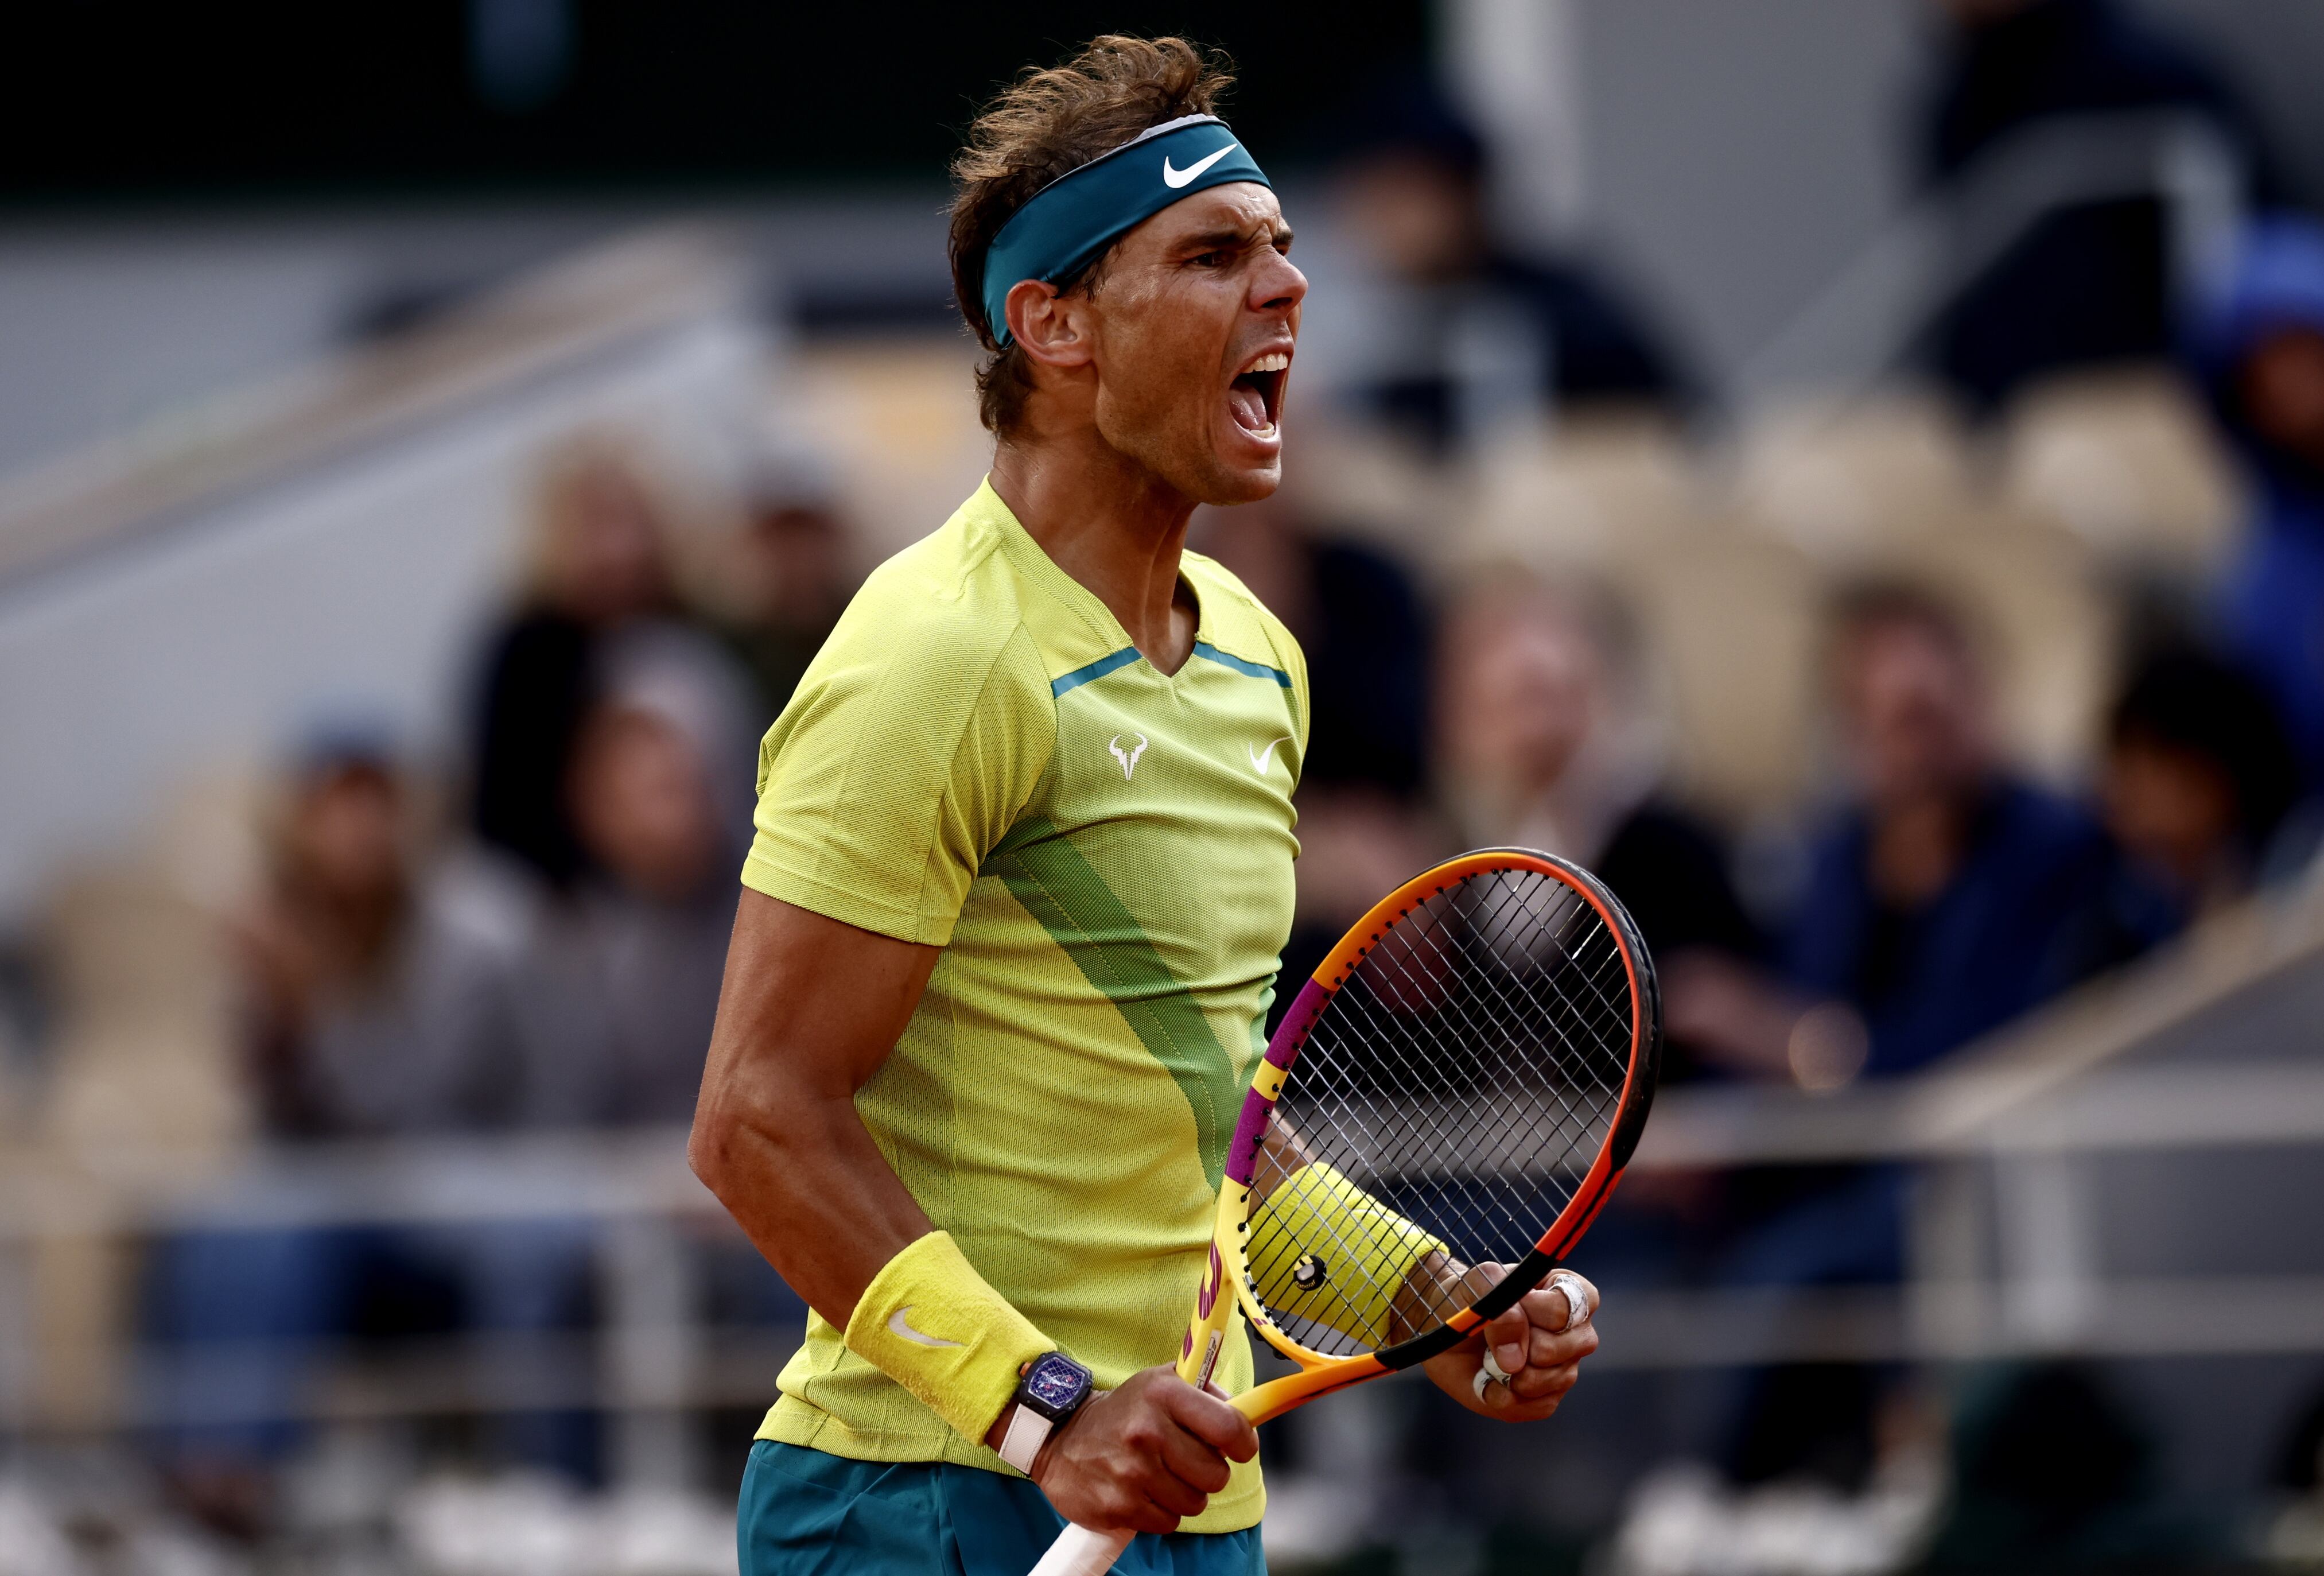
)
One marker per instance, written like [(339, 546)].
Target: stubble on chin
[(1177, 443)]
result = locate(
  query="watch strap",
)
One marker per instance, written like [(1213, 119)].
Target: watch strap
[(1022, 1440)]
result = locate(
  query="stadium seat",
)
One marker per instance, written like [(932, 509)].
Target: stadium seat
[(141, 1066), (1839, 480), (1373, 485), (1732, 617), (2126, 462), (141, 1083), (1590, 489), (897, 421)]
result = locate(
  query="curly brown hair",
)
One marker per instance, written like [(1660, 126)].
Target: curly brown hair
[(1045, 124)]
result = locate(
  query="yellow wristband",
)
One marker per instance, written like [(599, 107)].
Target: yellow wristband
[(930, 1322), (1325, 1251)]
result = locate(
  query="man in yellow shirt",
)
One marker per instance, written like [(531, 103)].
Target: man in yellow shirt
[(1022, 875)]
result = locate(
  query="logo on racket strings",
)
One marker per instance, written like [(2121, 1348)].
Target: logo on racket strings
[(1308, 1272)]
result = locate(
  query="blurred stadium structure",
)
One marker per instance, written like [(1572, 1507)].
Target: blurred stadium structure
[(268, 464)]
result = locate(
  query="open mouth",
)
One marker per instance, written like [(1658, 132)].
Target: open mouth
[(1256, 395)]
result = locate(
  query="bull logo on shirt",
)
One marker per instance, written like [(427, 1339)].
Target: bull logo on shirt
[(1129, 757)]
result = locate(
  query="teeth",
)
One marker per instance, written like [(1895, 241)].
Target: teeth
[(1278, 362)]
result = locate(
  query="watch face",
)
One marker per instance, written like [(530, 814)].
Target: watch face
[(1056, 1383)]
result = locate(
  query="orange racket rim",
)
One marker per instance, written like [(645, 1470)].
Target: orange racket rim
[(1590, 1196)]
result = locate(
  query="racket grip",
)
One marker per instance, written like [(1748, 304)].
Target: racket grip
[(1079, 1551)]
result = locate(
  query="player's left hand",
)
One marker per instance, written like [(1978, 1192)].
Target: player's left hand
[(1530, 1342)]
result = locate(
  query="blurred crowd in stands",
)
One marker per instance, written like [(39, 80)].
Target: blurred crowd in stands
[(1889, 721)]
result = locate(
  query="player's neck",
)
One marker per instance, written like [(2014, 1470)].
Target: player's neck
[(1113, 526)]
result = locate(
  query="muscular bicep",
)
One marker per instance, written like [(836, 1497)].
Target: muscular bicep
[(808, 1000)]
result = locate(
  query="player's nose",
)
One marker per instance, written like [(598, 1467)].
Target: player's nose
[(1277, 286)]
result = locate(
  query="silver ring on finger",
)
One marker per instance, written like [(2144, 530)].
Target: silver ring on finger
[(1577, 1297)]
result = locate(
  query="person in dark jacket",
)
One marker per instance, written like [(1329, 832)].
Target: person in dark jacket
[(1544, 743), (1357, 613), (1951, 896), (1466, 331), (2257, 347), (2198, 786), (1947, 898), (601, 590), (795, 573), (2090, 278)]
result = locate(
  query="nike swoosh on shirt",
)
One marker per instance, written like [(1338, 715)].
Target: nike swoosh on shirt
[(898, 1326), (1260, 760), (1175, 179)]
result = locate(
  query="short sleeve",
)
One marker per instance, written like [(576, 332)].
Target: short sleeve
[(905, 755)]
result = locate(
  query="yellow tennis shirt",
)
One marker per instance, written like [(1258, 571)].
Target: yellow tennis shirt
[(979, 759)]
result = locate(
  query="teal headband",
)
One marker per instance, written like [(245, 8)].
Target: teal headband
[(1069, 222)]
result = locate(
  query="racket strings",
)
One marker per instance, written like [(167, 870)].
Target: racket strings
[(1463, 1077)]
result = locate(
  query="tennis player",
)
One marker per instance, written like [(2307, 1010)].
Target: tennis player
[(1022, 873)]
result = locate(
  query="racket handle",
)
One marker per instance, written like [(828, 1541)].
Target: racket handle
[(1079, 1551)]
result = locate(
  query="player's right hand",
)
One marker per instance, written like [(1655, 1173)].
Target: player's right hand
[(1141, 1457)]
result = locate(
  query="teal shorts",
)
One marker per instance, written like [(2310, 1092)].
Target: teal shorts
[(805, 1513)]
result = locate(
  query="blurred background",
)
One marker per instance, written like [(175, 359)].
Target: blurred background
[(1849, 471)]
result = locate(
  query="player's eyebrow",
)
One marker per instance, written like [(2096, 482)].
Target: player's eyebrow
[(1266, 232)]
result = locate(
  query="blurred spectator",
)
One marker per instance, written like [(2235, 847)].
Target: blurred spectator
[(615, 998), (373, 997), (1361, 623), (799, 577), (2258, 347), (600, 573), (2199, 782), (1365, 631), (2089, 279), (379, 1006), (1949, 898), (392, 1000), (1465, 334), (1952, 896), (1545, 744)]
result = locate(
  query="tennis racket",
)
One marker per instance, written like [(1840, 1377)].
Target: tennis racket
[(1458, 1084)]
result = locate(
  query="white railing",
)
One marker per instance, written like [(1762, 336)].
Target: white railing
[(2001, 1236), (551, 323), (329, 543), (1857, 327)]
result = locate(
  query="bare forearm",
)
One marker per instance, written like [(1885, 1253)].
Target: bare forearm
[(1436, 1285), (1281, 1153), (809, 1011), (811, 1190)]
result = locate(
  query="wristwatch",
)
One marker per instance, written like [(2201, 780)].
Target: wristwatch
[(1050, 1391)]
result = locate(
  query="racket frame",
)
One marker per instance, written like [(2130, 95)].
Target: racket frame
[(1320, 1374)]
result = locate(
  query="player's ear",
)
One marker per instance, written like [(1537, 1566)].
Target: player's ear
[(1053, 327)]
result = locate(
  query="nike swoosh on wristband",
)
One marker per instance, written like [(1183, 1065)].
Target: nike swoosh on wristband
[(1260, 760), (1175, 179), (898, 1326)]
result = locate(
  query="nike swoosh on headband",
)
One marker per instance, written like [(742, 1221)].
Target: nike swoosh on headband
[(897, 1325), (1175, 179)]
